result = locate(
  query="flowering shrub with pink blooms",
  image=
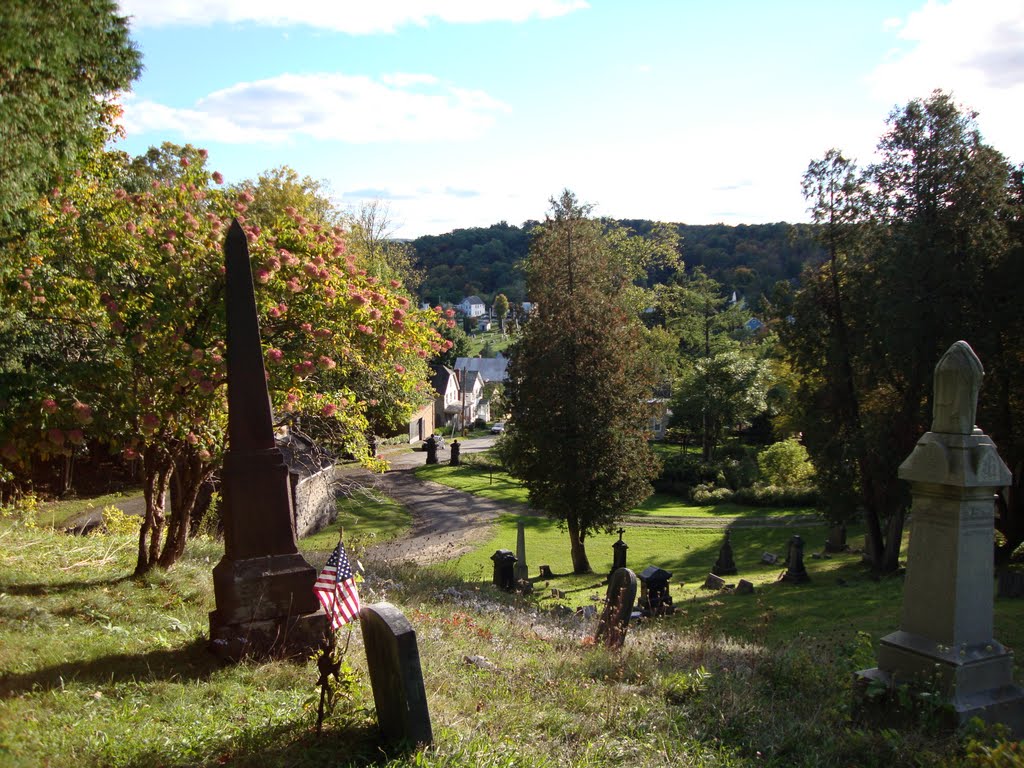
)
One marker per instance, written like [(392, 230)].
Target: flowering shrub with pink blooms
[(135, 275)]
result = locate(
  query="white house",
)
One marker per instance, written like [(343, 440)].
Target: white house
[(460, 397), (471, 306)]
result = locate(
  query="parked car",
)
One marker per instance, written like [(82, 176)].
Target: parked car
[(498, 428)]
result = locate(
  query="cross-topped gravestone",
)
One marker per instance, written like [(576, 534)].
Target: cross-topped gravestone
[(945, 635), (619, 553), (263, 586)]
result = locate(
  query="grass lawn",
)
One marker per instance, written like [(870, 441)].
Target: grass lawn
[(472, 479), (367, 518), (55, 514), (502, 487), (498, 343), (99, 668)]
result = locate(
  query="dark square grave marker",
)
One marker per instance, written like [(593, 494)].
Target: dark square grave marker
[(393, 659)]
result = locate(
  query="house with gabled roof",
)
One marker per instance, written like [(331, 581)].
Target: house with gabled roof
[(472, 306)]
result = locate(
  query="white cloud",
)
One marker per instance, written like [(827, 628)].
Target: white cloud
[(353, 18), (329, 107), (972, 48)]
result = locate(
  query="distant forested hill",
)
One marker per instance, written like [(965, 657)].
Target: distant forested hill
[(748, 258)]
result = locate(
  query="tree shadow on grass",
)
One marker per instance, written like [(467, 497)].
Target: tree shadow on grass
[(51, 588), (357, 743), (183, 664)]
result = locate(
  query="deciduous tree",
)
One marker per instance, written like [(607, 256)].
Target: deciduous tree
[(59, 62), (136, 277)]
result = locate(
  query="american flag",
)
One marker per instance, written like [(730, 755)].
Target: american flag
[(336, 588)]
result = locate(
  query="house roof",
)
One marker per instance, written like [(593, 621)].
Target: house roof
[(472, 300), (489, 368), (439, 377)]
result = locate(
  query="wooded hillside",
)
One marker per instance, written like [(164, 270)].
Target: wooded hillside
[(748, 258)]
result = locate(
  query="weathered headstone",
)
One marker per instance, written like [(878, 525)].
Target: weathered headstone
[(618, 608), (504, 569), (713, 581), (1011, 584), (545, 572), (655, 599), (263, 587), (769, 558), (618, 553), (725, 565), (520, 571), (430, 446), (744, 588), (796, 571), (836, 541), (456, 457), (393, 660), (945, 637)]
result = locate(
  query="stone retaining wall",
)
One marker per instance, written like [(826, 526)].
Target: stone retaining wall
[(313, 501)]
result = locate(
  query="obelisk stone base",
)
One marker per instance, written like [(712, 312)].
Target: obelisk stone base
[(292, 637), (266, 607)]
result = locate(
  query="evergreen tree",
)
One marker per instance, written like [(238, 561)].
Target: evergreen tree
[(919, 256), (578, 381)]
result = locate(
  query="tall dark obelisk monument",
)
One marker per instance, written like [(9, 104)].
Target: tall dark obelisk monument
[(263, 586)]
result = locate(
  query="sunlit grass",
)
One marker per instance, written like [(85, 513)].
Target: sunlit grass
[(98, 668), (500, 486), (58, 513)]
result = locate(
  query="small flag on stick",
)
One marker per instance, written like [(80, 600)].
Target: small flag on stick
[(336, 588)]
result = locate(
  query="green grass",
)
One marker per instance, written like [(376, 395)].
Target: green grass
[(504, 488), (472, 479), (57, 513), (98, 668), (498, 343), (667, 505), (367, 518)]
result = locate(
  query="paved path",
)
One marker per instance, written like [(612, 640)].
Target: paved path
[(448, 522)]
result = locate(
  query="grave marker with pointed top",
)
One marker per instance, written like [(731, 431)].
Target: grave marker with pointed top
[(263, 586)]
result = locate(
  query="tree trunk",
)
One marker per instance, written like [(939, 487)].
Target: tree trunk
[(890, 561), (186, 479), (156, 473), (580, 563)]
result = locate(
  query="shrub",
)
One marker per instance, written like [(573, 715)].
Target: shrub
[(786, 463), (116, 522)]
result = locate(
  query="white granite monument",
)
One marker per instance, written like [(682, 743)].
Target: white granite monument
[(945, 640)]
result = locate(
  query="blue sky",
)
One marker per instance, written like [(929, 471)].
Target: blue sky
[(461, 113)]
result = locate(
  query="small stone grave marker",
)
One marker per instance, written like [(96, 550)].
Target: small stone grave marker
[(796, 571), (1011, 584), (713, 582), (618, 609), (768, 558), (744, 588), (655, 598), (393, 659)]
